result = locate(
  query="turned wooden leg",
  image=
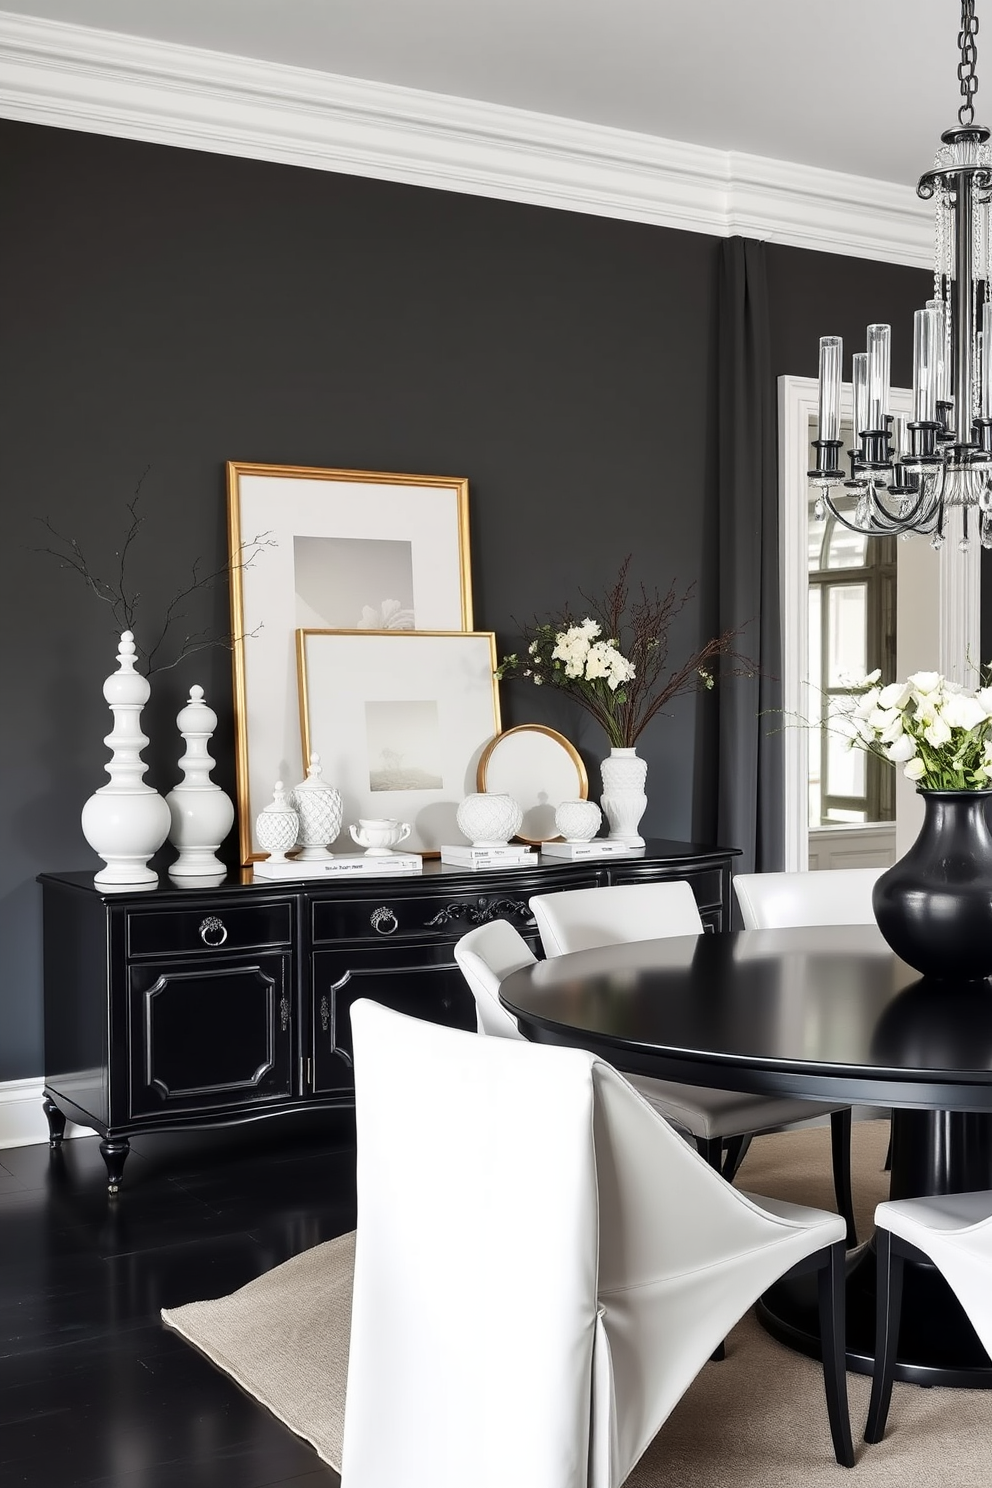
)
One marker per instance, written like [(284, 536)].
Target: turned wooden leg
[(114, 1151), (56, 1121)]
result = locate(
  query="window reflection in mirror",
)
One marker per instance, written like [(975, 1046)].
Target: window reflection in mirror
[(852, 630)]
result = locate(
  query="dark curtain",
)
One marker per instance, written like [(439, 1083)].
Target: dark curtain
[(750, 812)]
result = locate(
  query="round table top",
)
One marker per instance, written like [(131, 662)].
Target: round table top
[(826, 1012)]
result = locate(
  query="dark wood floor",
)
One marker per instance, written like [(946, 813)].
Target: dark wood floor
[(94, 1392)]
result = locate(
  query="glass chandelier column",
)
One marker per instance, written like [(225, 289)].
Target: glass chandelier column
[(905, 477)]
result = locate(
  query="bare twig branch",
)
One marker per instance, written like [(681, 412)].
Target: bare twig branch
[(124, 600)]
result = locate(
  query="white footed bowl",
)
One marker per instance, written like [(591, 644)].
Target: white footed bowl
[(488, 821), (578, 821)]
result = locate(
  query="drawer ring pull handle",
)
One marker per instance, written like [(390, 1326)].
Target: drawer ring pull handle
[(383, 920), (213, 932)]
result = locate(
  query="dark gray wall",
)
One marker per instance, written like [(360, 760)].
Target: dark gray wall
[(172, 310)]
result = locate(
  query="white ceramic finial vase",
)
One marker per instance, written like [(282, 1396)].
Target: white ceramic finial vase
[(126, 821), (202, 814), (320, 810)]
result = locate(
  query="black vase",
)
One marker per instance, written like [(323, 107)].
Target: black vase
[(934, 906)]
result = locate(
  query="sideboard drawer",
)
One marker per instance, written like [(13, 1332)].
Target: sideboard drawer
[(434, 913), (178, 931)]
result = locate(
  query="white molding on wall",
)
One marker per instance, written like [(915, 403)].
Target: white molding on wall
[(22, 1120), (74, 77), (960, 600), (956, 621)]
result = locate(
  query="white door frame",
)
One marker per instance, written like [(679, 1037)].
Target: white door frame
[(956, 602)]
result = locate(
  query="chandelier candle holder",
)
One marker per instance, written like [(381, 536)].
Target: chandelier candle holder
[(905, 476)]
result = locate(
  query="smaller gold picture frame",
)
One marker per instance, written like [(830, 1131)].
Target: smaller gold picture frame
[(400, 720)]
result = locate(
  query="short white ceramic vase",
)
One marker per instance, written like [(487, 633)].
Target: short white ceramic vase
[(488, 820), (623, 798), (378, 836), (578, 821), (126, 821), (320, 810), (278, 826), (202, 814)]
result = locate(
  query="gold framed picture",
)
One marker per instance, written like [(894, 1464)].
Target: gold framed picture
[(342, 550), (400, 720)]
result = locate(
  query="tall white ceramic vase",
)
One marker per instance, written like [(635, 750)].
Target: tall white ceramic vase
[(202, 814), (126, 821), (623, 799)]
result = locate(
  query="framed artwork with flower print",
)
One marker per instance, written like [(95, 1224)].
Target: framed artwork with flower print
[(344, 550)]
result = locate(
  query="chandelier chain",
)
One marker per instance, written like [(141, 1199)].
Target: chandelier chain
[(968, 46)]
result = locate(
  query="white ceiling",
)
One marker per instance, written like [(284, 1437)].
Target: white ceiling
[(859, 86)]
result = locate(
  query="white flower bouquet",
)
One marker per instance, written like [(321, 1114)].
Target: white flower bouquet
[(937, 730), (614, 663)]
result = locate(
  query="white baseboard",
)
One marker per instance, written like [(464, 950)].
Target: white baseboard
[(22, 1120)]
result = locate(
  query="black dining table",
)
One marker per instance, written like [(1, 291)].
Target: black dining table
[(827, 1013)]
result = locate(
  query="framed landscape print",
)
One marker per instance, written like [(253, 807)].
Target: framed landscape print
[(332, 550), (400, 720)]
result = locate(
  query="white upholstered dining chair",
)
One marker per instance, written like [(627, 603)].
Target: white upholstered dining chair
[(954, 1231), (834, 896), (491, 952), (582, 919), (776, 901), (542, 1265)]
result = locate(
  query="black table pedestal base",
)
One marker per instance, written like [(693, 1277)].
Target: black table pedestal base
[(932, 1152)]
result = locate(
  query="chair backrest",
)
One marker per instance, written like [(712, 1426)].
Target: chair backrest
[(486, 955), (835, 896), (542, 1266), (582, 919)]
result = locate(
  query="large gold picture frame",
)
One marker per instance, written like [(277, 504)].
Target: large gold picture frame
[(400, 720), (333, 549)]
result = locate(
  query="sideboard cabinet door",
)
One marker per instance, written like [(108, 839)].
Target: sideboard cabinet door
[(419, 978), (206, 1037)]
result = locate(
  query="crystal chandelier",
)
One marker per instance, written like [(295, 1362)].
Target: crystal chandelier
[(907, 475)]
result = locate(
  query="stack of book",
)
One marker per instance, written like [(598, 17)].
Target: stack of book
[(342, 865), (506, 855), (598, 847)]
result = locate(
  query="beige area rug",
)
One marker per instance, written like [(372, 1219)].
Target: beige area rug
[(756, 1420)]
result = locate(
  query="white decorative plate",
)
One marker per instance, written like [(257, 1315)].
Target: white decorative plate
[(539, 768)]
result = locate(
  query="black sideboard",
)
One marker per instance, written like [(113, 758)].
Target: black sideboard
[(184, 1007)]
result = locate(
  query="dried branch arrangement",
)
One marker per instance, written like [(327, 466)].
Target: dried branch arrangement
[(615, 662), (124, 600)]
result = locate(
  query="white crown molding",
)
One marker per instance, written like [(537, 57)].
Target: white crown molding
[(72, 77)]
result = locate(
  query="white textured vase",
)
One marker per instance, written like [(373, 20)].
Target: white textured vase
[(578, 821), (278, 825), (623, 798), (320, 810), (202, 814), (488, 820), (126, 821)]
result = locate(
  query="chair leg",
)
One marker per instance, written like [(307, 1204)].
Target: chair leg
[(712, 1149), (888, 1310), (833, 1340), (840, 1149), (736, 1151)]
